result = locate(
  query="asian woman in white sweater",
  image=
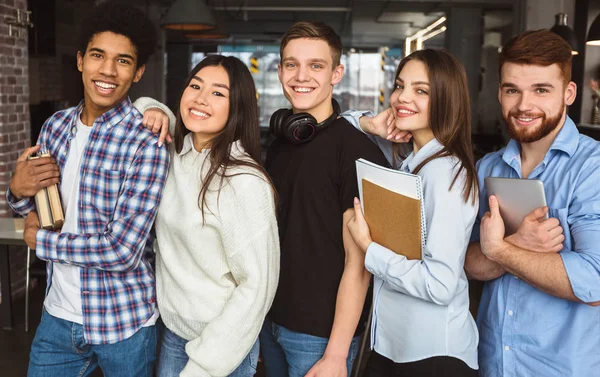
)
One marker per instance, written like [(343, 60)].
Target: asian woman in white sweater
[(217, 240)]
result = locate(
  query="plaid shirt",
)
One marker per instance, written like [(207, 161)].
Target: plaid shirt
[(123, 172)]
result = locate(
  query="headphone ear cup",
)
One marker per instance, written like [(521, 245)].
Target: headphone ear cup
[(299, 128), (277, 120)]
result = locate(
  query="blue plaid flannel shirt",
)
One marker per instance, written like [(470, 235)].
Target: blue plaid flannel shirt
[(123, 172)]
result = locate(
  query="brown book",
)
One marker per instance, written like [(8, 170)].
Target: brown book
[(394, 219), (48, 205), (58, 217), (44, 212)]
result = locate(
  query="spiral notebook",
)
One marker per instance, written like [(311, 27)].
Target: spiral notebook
[(393, 205)]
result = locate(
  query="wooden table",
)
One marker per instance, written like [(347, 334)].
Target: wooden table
[(11, 233)]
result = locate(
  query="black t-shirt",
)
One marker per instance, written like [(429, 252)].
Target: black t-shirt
[(316, 183)]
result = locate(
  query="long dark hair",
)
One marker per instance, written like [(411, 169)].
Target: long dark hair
[(449, 113), (242, 124)]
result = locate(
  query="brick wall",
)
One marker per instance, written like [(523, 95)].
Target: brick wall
[(14, 121), (14, 99)]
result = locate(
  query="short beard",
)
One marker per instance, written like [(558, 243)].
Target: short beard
[(525, 135)]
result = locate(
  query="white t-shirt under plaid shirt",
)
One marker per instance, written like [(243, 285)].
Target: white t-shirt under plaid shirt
[(122, 172)]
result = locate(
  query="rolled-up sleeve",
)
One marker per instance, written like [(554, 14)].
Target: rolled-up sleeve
[(582, 259), (353, 117)]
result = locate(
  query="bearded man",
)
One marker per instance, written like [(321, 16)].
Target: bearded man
[(539, 313)]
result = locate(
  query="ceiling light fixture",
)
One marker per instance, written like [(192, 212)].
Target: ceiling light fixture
[(593, 37), (188, 15), (419, 36), (565, 32)]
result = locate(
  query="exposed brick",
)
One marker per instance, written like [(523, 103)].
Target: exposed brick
[(14, 115), (7, 41)]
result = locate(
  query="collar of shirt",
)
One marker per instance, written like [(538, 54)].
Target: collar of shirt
[(566, 141), (188, 145), (112, 116), (413, 160)]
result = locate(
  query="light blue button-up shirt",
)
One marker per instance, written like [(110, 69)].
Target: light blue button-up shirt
[(421, 307), (525, 332)]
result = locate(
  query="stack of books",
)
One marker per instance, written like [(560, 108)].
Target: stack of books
[(48, 204)]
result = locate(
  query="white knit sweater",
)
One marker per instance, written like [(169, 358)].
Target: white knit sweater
[(215, 281)]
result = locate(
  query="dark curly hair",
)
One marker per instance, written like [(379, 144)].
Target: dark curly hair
[(120, 19)]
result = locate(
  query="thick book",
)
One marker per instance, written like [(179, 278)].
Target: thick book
[(48, 205), (393, 206)]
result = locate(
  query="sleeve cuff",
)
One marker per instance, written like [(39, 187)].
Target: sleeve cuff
[(353, 117), (21, 206), (145, 103), (584, 278), (44, 239), (377, 259)]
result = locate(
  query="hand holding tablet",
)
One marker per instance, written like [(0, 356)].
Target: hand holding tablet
[(516, 197)]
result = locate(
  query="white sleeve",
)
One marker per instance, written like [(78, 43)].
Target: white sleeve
[(143, 104), (353, 117)]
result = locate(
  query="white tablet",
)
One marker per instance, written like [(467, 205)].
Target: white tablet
[(517, 198)]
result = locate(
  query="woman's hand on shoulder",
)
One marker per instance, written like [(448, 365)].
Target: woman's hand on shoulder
[(157, 122)]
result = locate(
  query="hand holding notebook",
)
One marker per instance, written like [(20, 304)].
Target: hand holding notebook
[(393, 206)]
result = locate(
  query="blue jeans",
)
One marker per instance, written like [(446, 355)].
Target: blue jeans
[(286, 353), (59, 349), (172, 358)]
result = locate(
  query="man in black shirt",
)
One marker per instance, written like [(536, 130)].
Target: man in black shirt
[(318, 313)]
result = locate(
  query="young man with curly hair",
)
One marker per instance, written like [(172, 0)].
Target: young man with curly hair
[(100, 307)]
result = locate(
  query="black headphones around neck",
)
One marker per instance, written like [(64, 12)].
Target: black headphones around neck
[(300, 127)]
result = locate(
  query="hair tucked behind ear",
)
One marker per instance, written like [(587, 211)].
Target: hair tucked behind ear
[(449, 113), (242, 124)]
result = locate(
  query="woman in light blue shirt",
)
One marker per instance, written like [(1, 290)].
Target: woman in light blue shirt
[(421, 322)]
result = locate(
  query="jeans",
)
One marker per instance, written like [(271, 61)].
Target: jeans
[(173, 358), (59, 349), (286, 353)]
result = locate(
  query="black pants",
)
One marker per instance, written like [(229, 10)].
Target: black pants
[(439, 366)]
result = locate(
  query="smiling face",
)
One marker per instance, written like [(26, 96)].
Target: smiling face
[(108, 68), (410, 98), (307, 76), (204, 105), (533, 100)]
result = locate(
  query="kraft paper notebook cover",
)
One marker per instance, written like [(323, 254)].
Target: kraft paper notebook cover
[(393, 207)]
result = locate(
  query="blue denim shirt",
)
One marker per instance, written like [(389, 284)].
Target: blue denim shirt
[(525, 332)]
